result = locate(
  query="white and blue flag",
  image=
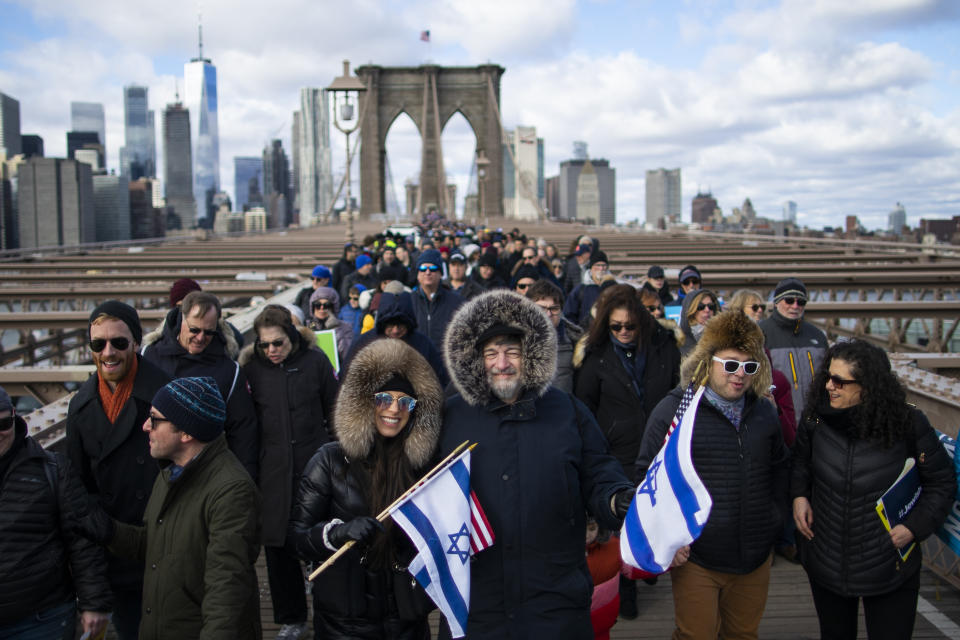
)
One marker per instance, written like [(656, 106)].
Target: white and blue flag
[(671, 505), (446, 524)]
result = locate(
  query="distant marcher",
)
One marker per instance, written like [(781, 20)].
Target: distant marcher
[(658, 281), (320, 277), (364, 274), (581, 299), (458, 281), (856, 433), (549, 297), (344, 266), (324, 307), (351, 313), (485, 274), (525, 276), (180, 288), (690, 280), (698, 307), (578, 263), (433, 304)]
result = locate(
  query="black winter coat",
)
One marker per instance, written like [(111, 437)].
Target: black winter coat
[(607, 389), (241, 428), (294, 402), (113, 460), (434, 315), (42, 560), (851, 553), (745, 471), (355, 601)]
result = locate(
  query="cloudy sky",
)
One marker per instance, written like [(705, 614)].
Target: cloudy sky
[(845, 107)]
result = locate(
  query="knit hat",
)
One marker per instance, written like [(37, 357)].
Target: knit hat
[(488, 259), (6, 404), (430, 256), (398, 383), (598, 256), (123, 312), (194, 406), (295, 311), (689, 271), (526, 271), (655, 271), (362, 261), (320, 271), (180, 289), (789, 287), (391, 272), (326, 293)]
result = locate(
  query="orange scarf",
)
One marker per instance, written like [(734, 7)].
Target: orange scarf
[(113, 401)]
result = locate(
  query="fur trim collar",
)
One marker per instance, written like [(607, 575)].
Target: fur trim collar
[(728, 330), (353, 417), (172, 319), (462, 354)]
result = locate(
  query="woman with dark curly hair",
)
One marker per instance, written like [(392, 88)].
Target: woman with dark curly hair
[(624, 366), (854, 438)]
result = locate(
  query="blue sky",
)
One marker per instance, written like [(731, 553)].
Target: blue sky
[(845, 107)]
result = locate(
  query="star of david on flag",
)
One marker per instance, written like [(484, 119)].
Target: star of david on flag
[(446, 524), (671, 505)]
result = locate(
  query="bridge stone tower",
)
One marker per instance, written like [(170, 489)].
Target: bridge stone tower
[(430, 95)]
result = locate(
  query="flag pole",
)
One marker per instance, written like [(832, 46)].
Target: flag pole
[(383, 515)]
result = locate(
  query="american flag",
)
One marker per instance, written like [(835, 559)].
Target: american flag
[(425, 35), (682, 409)]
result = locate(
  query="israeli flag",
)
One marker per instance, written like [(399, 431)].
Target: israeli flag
[(671, 505), (447, 525)]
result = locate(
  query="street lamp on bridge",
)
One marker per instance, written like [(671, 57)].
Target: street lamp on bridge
[(482, 164), (349, 88)]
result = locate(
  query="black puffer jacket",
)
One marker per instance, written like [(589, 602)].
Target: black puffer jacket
[(745, 471), (43, 563), (607, 389), (851, 553), (294, 401)]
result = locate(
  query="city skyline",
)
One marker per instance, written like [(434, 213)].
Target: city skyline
[(843, 109)]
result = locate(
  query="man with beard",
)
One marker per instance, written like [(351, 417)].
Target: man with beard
[(106, 446), (540, 463)]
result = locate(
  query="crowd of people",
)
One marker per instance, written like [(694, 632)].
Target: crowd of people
[(188, 451)]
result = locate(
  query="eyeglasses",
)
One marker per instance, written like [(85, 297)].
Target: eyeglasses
[(690, 281), (324, 305), (758, 307), (99, 344), (838, 382), (276, 344), (616, 327), (792, 301), (207, 333), (155, 420), (653, 308), (7, 423), (710, 305), (432, 268), (554, 310), (383, 400), (750, 367)]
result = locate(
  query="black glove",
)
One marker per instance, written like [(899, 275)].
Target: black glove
[(622, 502), (358, 529), (92, 522)]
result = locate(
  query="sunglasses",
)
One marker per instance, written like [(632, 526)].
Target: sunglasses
[(653, 308), (383, 400), (319, 279), (207, 333), (325, 305), (522, 286), (276, 344), (690, 281), (792, 301), (838, 382), (7, 423), (750, 367), (354, 298), (432, 268), (99, 344), (758, 307), (616, 327), (711, 306)]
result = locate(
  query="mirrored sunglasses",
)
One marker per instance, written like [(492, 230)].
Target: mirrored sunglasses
[(383, 400), (432, 268)]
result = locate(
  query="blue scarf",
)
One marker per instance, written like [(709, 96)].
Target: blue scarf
[(634, 362), (732, 409)]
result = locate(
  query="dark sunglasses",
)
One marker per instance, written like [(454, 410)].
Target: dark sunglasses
[(711, 306), (653, 308), (315, 279), (522, 285), (689, 281), (616, 327), (276, 343), (99, 344), (323, 305), (354, 298), (7, 423), (432, 268), (838, 382), (383, 400), (750, 367), (758, 307), (207, 333), (792, 301)]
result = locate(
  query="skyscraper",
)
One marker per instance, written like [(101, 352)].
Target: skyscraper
[(177, 166), (111, 207), (88, 116), (897, 219), (138, 156), (9, 125), (790, 212), (55, 203), (663, 195), (569, 197), (276, 185), (200, 89), (77, 140), (312, 152), (31, 145), (702, 208), (246, 170)]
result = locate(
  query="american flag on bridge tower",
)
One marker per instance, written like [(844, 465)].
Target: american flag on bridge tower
[(425, 35)]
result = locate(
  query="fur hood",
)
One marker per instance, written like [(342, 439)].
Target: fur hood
[(171, 325), (728, 330), (308, 339), (353, 417), (673, 327), (462, 353)]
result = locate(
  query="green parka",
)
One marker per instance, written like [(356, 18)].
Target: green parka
[(199, 543)]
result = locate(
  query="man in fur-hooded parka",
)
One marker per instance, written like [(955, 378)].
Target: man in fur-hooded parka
[(738, 451), (539, 465)]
